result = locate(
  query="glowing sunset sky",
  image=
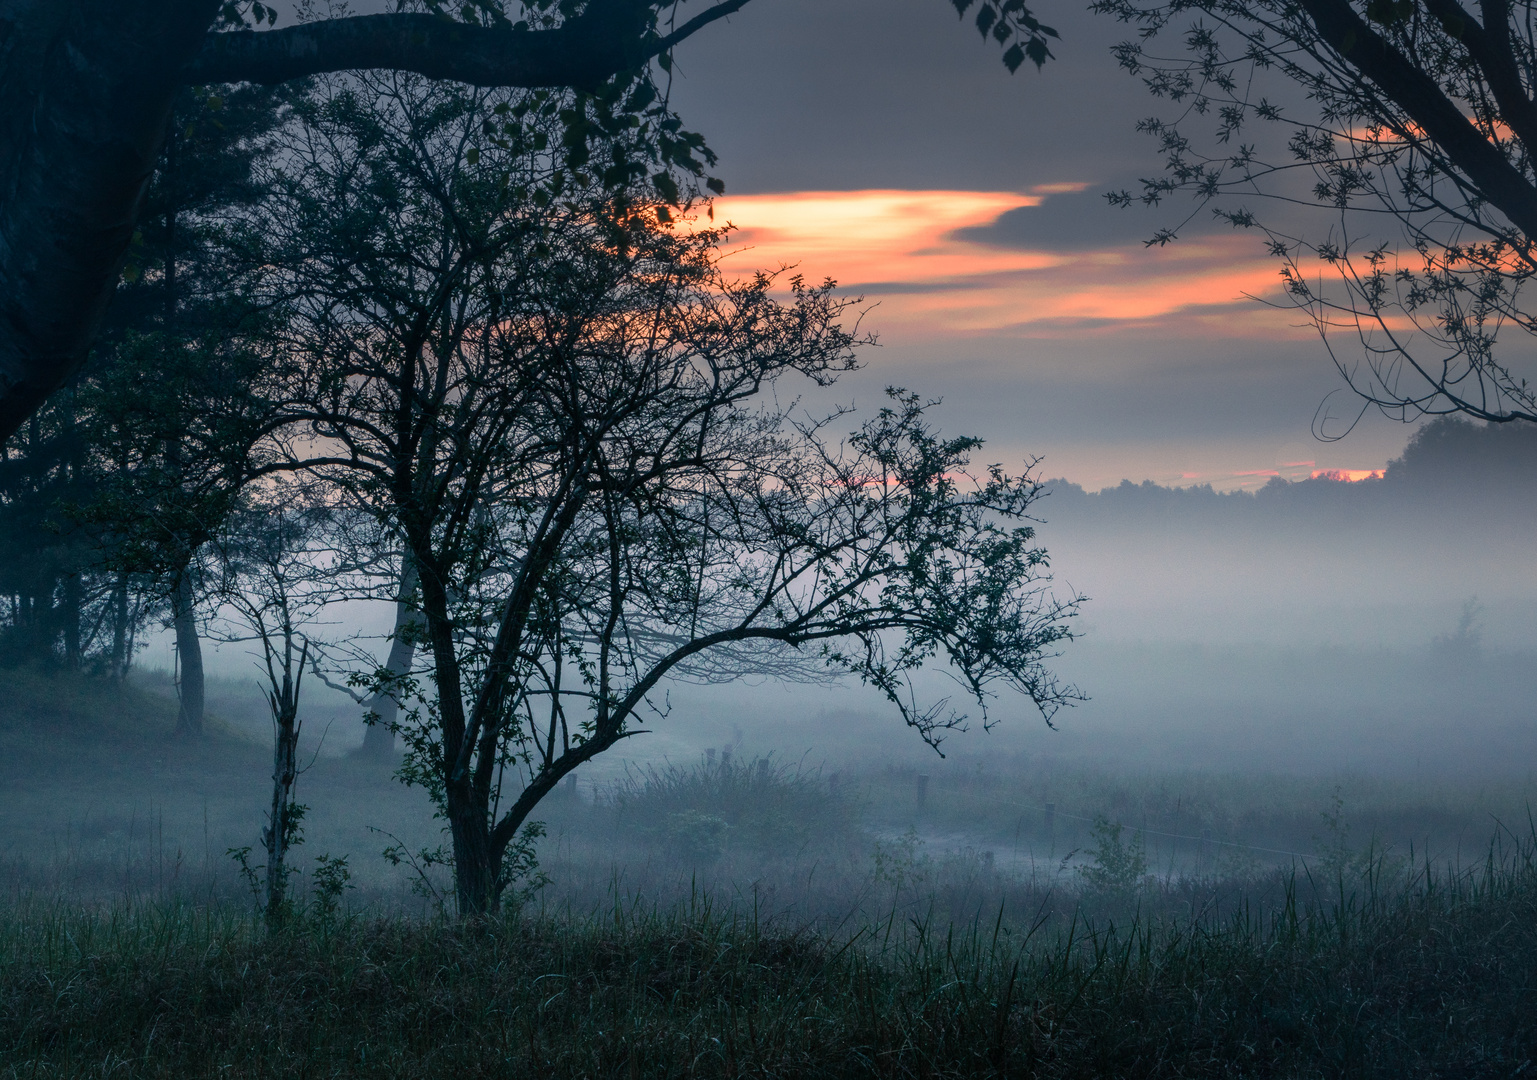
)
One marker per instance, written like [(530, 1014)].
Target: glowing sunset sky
[(908, 250), (880, 143)]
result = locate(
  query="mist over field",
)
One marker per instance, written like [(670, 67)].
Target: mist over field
[(1316, 627), (1306, 748), (1252, 663)]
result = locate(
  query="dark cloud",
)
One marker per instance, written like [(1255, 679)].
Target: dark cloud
[(843, 94), (1083, 220)]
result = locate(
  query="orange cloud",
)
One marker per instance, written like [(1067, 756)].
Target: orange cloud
[(1058, 189), (901, 248), (1251, 478), (860, 237)]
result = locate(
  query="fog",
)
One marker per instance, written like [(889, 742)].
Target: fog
[(1314, 627), (1259, 669)]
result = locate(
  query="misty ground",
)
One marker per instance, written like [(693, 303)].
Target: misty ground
[(754, 916), (103, 803), (1269, 677)]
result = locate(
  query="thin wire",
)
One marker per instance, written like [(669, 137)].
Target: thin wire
[(1177, 836), (1151, 832)]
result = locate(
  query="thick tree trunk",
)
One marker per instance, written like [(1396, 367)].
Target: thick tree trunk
[(85, 92), (379, 735), (466, 805), (189, 657), (476, 863)]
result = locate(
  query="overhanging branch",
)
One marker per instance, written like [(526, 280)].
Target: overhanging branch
[(425, 44), (608, 38), (1426, 105), (1489, 46)]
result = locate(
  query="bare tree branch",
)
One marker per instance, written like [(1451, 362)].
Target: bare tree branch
[(1423, 101), (583, 52)]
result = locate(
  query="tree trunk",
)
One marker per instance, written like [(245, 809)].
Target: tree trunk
[(466, 805), (278, 833), (70, 615), (85, 92), (189, 656), (120, 643), (476, 865), (379, 735)]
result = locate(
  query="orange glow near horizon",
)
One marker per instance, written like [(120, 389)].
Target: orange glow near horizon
[(1249, 479), (1347, 476), (902, 249)]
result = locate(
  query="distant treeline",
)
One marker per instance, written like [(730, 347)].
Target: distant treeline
[(1449, 462)]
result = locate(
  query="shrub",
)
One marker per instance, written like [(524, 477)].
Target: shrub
[(702, 810), (1119, 865)]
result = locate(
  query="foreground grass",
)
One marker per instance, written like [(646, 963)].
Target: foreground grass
[(1434, 975)]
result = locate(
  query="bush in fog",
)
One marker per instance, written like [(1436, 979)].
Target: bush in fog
[(1464, 644), (695, 836), (1119, 863), (700, 811)]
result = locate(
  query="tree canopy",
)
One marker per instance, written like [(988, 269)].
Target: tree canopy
[(582, 436), (1410, 123)]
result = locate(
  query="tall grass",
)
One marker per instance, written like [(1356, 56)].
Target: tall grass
[(1398, 972)]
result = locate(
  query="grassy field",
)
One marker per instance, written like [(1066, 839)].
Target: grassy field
[(756, 917), (1424, 975)]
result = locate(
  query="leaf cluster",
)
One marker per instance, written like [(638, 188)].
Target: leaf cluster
[(1011, 24)]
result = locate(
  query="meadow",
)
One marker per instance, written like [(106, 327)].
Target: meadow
[(1417, 974), (745, 915)]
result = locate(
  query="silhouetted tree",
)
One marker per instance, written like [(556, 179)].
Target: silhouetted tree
[(51, 591), (400, 203), (173, 451), (275, 575), (185, 444), (1450, 454), (553, 401), (1411, 125)]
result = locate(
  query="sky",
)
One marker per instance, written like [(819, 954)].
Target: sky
[(882, 143)]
